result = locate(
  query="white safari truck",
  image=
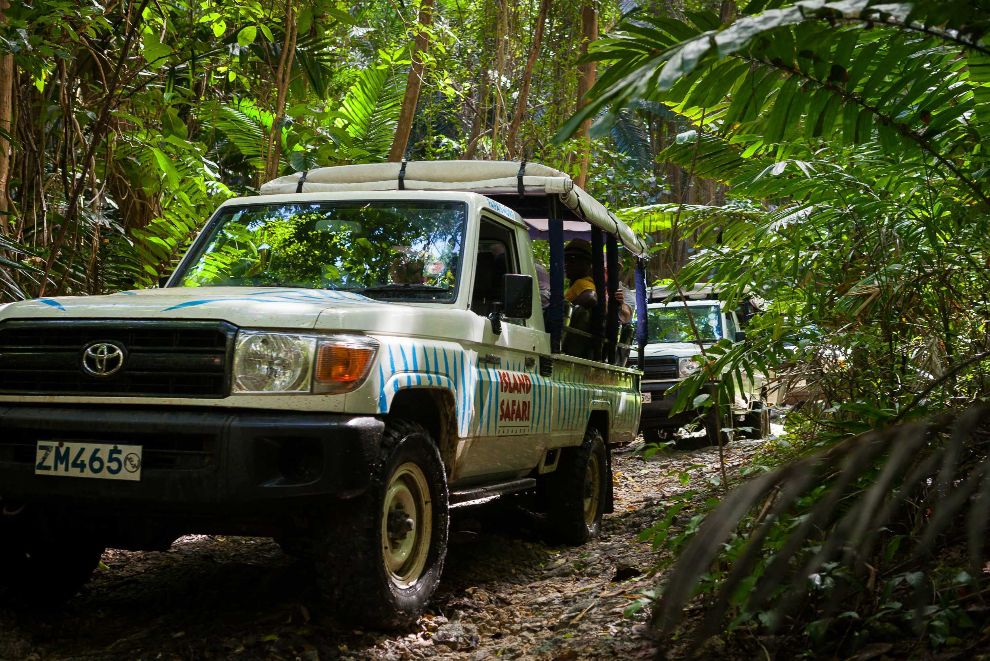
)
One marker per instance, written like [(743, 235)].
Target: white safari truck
[(335, 363), (681, 325)]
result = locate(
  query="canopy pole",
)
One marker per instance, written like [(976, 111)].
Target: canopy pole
[(642, 318), (598, 274), (612, 321), (555, 313)]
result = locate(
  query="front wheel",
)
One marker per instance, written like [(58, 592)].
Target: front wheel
[(716, 421), (381, 561), (577, 491), (40, 566), (758, 420)]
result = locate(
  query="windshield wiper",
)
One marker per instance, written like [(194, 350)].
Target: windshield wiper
[(403, 289)]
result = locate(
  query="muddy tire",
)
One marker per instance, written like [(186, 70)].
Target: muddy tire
[(43, 568), (576, 493), (381, 560), (716, 420), (759, 421)]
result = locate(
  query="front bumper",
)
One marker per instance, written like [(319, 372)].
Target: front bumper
[(196, 462), (656, 413)]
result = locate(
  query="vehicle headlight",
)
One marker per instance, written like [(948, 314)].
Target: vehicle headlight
[(269, 362), (687, 366)]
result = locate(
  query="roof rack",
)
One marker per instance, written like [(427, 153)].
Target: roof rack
[(697, 293), (528, 188)]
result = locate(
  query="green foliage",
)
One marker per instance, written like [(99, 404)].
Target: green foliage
[(855, 135), (845, 547), (104, 203), (370, 113)]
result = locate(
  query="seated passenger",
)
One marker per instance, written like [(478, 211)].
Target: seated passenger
[(578, 269), (405, 270)]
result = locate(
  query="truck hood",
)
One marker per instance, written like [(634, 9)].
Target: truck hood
[(262, 307), (679, 349)]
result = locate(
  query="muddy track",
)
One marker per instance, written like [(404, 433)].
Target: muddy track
[(504, 593)]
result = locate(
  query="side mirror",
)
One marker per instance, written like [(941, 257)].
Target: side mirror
[(740, 336), (518, 296)]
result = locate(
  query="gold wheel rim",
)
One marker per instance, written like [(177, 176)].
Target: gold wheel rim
[(407, 524)]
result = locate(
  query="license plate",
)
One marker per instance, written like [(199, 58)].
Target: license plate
[(647, 397), (98, 460)]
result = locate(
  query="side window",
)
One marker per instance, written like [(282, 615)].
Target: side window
[(497, 255)]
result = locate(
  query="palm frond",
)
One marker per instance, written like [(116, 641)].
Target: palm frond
[(911, 485), (371, 111), (244, 126)]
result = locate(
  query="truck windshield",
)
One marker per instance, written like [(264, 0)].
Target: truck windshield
[(672, 324), (385, 249)]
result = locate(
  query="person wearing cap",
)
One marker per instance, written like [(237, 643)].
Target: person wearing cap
[(578, 269)]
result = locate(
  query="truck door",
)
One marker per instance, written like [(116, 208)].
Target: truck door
[(511, 403)]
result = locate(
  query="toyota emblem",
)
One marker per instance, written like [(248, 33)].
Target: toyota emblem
[(103, 358)]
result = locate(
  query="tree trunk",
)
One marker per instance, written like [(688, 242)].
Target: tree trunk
[(97, 132), (501, 46), (586, 79), (7, 75), (480, 116), (534, 52), (283, 76), (413, 83), (728, 11)]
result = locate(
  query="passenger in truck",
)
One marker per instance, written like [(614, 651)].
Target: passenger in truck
[(577, 268)]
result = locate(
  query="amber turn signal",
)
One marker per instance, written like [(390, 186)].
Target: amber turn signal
[(339, 365)]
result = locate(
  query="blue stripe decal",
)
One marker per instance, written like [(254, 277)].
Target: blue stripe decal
[(538, 408), (52, 303), (405, 361), (426, 366), (381, 389), (480, 402), (391, 362), (497, 387), (565, 423), (464, 384)]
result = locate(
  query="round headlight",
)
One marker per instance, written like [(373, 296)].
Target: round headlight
[(687, 366), (269, 362)]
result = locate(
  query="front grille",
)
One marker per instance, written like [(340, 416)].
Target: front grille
[(178, 359), (663, 367), (174, 452)]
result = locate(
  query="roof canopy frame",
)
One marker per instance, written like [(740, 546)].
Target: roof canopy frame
[(535, 191)]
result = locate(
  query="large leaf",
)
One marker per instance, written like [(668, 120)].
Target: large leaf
[(370, 111)]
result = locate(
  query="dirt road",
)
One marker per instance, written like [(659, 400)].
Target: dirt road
[(504, 593)]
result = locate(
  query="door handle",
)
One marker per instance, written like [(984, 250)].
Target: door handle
[(490, 359)]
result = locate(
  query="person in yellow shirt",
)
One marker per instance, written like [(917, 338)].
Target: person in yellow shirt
[(578, 269)]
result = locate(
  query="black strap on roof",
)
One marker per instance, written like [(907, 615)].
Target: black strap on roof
[(302, 180), (402, 175), (519, 178)]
